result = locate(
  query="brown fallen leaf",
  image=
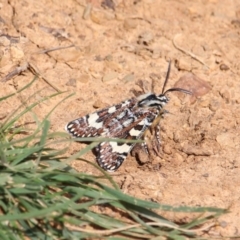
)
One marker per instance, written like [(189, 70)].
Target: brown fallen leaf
[(196, 85)]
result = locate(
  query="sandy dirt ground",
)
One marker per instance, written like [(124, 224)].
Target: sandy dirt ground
[(104, 52)]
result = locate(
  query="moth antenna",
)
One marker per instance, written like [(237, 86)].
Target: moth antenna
[(167, 77), (178, 90), (172, 89)]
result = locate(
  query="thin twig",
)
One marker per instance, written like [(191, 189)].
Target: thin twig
[(35, 71), (186, 51), (33, 68), (15, 72), (23, 68), (54, 49)]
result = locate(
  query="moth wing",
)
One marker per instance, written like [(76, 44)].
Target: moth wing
[(95, 124), (110, 155)]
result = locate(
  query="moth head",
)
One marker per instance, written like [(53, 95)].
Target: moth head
[(152, 100)]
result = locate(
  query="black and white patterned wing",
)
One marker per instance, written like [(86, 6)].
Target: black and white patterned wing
[(100, 123), (124, 120), (110, 155)]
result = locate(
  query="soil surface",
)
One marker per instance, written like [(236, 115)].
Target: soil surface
[(106, 52)]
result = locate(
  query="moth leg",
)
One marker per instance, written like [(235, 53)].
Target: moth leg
[(147, 136), (157, 136), (145, 147)]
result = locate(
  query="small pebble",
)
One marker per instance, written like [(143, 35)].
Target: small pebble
[(226, 140), (225, 94), (128, 78), (99, 104), (108, 4), (110, 76), (196, 150), (167, 149), (145, 38), (183, 63), (130, 23), (224, 67), (72, 82), (214, 105), (177, 159), (84, 78)]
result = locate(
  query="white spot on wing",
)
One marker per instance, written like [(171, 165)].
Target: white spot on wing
[(134, 132), (68, 126), (121, 115), (92, 121), (112, 109), (120, 149), (112, 168), (125, 103)]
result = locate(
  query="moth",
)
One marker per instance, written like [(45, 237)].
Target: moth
[(126, 120)]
